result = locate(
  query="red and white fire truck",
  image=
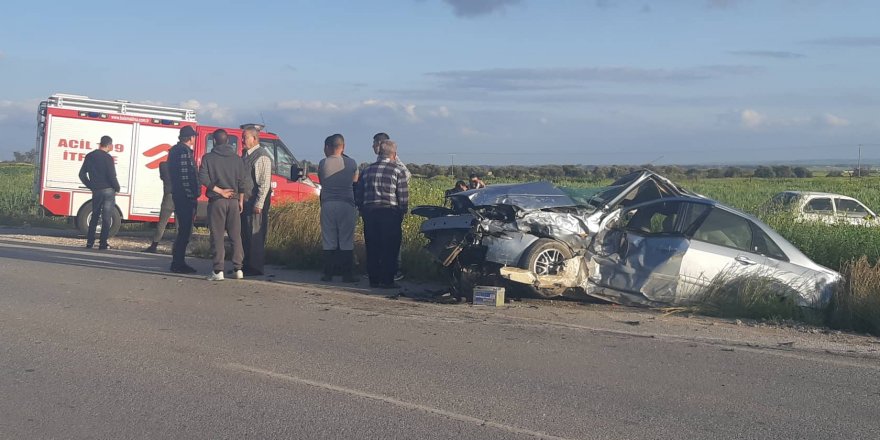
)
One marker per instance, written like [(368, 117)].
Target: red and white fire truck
[(70, 126)]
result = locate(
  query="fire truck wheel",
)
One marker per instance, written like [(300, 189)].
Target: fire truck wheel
[(85, 214)]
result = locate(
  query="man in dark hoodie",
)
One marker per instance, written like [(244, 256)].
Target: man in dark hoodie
[(98, 173), (222, 169)]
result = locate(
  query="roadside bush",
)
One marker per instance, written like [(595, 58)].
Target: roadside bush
[(756, 296), (856, 303)]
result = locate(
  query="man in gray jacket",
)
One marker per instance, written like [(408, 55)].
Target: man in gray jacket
[(223, 169)]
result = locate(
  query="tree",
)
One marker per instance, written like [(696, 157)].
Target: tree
[(713, 173), (733, 172), (834, 173), (783, 171), (25, 156), (693, 173), (763, 172), (802, 172)]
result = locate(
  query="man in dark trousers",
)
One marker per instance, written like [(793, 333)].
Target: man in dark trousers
[(383, 196), (98, 173), (221, 169), (184, 193), (255, 217), (165, 210)]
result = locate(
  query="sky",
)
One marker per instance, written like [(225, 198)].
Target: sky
[(490, 82)]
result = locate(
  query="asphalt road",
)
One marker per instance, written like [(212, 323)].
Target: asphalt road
[(108, 345)]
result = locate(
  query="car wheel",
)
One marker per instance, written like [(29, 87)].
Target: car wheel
[(545, 257), (85, 214)]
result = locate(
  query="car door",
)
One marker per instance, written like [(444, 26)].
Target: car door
[(819, 209), (851, 211), (723, 247), (642, 253)]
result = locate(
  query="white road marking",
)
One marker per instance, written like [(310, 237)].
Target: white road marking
[(392, 401), (89, 253)]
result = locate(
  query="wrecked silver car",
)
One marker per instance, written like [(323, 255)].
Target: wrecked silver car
[(642, 240)]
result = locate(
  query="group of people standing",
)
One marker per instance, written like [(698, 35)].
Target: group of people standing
[(380, 192), (238, 190)]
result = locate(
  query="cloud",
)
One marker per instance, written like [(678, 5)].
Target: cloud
[(830, 120), (846, 41), (506, 79), (211, 110), (751, 118), (315, 111), (722, 4), (768, 54), (474, 8)]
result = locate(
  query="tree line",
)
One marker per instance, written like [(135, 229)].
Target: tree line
[(602, 172), (587, 172)]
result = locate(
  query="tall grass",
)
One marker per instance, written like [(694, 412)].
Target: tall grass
[(856, 303)]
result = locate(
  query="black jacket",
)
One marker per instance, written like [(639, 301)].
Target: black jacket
[(98, 171)]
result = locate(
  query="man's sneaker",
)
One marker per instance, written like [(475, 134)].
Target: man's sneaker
[(152, 249), (89, 245), (398, 276), (238, 274), (216, 276), (104, 247)]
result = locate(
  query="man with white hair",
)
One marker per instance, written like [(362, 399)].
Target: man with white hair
[(377, 139), (383, 198)]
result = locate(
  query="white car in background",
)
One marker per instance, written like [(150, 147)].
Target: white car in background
[(824, 207)]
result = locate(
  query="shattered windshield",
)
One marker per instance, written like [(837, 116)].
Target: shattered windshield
[(594, 197)]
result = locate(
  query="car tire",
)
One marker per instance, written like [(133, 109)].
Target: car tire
[(85, 213), (539, 258)]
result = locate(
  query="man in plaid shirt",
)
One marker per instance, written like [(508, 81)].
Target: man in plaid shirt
[(383, 198)]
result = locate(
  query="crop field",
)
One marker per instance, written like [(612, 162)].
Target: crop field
[(294, 236)]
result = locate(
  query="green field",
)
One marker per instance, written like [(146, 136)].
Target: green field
[(294, 236)]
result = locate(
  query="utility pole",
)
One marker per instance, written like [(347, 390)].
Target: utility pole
[(859, 172), (452, 155)]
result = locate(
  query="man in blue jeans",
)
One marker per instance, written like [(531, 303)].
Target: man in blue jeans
[(98, 173)]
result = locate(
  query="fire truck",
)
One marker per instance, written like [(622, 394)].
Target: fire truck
[(70, 126)]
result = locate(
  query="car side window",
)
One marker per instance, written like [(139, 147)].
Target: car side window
[(725, 229), (850, 208), (764, 245), (269, 146), (656, 218), (819, 206), (283, 160), (209, 142)]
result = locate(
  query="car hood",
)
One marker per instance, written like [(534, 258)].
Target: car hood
[(528, 196)]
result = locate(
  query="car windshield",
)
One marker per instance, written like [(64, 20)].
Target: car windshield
[(594, 197)]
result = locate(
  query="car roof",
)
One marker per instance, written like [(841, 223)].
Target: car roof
[(815, 194)]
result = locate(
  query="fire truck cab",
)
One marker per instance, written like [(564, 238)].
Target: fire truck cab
[(69, 127)]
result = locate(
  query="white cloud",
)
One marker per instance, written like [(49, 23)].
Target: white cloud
[(830, 120), (211, 110), (408, 111), (751, 118)]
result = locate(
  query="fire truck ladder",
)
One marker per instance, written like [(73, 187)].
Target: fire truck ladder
[(78, 102)]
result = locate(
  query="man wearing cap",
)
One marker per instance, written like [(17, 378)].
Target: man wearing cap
[(184, 193), (255, 217), (383, 197), (223, 168), (98, 173)]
